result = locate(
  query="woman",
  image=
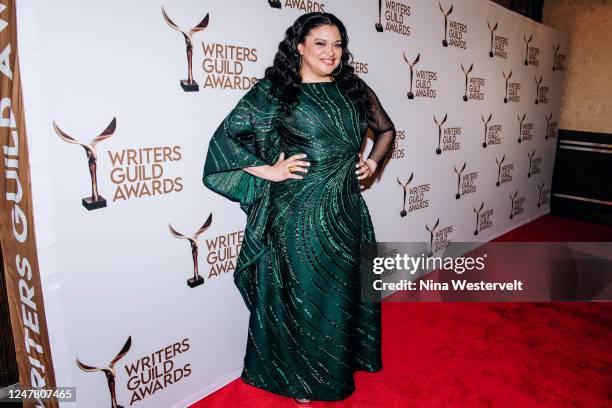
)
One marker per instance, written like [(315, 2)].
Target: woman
[(289, 153)]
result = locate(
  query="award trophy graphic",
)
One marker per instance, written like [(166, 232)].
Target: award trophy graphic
[(555, 49), (491, 29), (540, 187), (96, 200), (109, 371), (450, 10), (378, 25), (538, 82), (512, 198), (506, 78), (478, 217), (499, 164), (457, 196), (530, 155), (465, 97), (527, 41), (411, 65), (520, 125), (547, 125), (486, 127), (438, 150), (274, 3), (431, 236), (189, 84), (405, 187), (197, 279)]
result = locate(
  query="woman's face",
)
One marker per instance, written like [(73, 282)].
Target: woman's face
[(321, 52)]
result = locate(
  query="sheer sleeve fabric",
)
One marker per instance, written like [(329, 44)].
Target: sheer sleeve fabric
[(247, 137), (382, 127)]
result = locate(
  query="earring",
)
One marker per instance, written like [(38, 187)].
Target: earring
[(334, 74)]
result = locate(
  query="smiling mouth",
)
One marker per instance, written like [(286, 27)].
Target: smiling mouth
[(328, 61)]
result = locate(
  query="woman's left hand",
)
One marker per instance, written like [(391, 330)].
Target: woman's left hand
[(365, 168)]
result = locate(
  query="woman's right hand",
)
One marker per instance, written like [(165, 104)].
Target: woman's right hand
[(280, 170)]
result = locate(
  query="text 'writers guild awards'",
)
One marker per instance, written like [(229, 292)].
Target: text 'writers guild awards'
[(109, 371), (196, 280), (96, 200), (189, 84), (405, 187)]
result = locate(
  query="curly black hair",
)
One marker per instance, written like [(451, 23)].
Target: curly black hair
[(284, 73)]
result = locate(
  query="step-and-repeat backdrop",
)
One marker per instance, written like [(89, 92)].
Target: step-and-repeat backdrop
[(106, 215)]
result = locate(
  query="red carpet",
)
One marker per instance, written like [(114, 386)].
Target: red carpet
[(481, 354)]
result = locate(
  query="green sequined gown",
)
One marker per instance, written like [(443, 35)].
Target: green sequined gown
[(298, 267)]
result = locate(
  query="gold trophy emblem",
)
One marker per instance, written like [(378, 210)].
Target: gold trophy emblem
[(96, 200), (459, 172), (486, 127), (411, 65), (445, 14), (466, 72), (438, 150), (405, 187), (477, 212), (109, 371), (379, 26), (499, 164), (506, 78), (431, 236), (189, 84), (492, 30), (197, 279)]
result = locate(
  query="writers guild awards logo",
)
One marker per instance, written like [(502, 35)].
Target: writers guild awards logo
[(457, 196), (531, 53), (431, 236), (96, 200), (445, 14), (542, 194), (196, 280), (534, 164), (521, 126), (404, 187), (527, 41), (548, 117), (189, 84), (466, 72), (512, 198), (492, 30), (537, 82), (506, 78), (411, 65), (439, 150), (516, 204), (378, 25), (558, 59), (486, 128), (109, 371), (395, 17), (275, 3), (477, 213), (530, 155), (499, 164), (512, 89)]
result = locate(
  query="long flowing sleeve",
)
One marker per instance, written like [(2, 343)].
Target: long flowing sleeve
[(382, 127), (247, 137)]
